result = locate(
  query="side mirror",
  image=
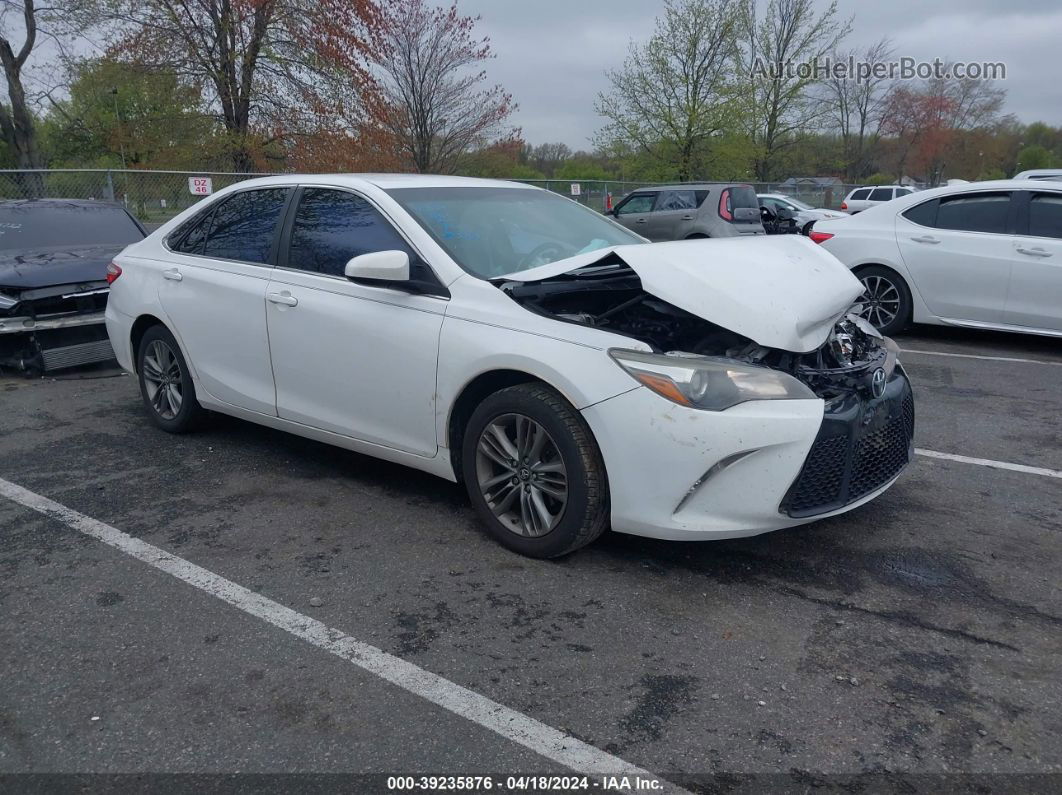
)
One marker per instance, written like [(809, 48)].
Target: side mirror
[(379, 266)]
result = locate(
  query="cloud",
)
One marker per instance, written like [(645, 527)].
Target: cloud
[(552, 54)]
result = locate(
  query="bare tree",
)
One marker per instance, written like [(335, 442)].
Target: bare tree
[(274, 65), (431, 99), (857, 103), (676, 92), (787, 37), (16, 119)]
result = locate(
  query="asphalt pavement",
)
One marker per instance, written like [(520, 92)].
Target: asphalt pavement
[(920, 634)]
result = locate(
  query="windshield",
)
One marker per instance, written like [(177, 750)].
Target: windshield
[(27, 225), (492, 231)]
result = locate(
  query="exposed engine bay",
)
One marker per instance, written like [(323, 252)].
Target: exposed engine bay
[(609, 296)]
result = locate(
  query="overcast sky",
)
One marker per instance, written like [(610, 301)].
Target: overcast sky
[(552, 54)]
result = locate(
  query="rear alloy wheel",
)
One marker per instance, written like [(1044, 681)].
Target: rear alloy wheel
[(165, 383), (534, 473), (886, 301)]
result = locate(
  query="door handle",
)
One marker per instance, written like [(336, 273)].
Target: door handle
[(641, 221), (1033, 252), (687, 218), (172, 274), (284, 299), (925, 239)]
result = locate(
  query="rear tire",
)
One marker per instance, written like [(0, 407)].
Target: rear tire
[(886, 299), (534, 473), (166, 383)]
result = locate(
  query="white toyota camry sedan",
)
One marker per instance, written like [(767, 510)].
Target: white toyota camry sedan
[(573, 376)]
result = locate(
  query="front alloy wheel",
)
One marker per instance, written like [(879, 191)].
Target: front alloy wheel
[(534, 472), (521, 475)]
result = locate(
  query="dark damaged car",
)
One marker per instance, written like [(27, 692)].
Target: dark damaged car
[(54, 256)]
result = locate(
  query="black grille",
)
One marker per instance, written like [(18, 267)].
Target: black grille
[(878, 458), (820, 479), (862, 445)]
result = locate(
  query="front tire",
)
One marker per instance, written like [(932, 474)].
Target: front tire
[(886, 299), (534, 473), (165, 382)]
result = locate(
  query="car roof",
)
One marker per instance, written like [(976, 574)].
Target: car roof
[(693, 186), (1033, 173), (386, 181)]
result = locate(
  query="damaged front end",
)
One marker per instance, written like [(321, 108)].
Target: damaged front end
[(868, 422), (609, 295), (53, 327)]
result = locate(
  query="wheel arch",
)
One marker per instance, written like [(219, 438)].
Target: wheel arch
[(136, 333), (471, 395)]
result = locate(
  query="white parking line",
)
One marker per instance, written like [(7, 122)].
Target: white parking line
[(978, 356), (988, 462), (510, 724)]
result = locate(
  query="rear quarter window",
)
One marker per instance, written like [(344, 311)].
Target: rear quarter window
[(860, 195), (924, 214)]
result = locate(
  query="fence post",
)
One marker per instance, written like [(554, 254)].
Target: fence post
[(110, 186)]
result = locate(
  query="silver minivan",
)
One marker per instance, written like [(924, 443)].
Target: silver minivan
[(691, 210)]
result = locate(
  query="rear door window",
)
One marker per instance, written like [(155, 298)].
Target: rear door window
[(881, 195), (1045, 215), (676, 200), (638, 203), (244, 226), (975, 212)]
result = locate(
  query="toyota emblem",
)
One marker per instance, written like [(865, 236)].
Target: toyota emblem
[(877, 383)]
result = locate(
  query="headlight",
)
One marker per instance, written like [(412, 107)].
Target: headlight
[(704, 382)]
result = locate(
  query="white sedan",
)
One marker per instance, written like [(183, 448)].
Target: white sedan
[(572, 375), (804, 214), (981, 255)]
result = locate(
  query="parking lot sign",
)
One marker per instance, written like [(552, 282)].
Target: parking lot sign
[(200, 186), (576, 189)]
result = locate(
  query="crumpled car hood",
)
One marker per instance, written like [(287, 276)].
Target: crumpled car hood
[(28, 269), (780, 291)]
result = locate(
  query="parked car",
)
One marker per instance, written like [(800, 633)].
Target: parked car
[(682, 212), (572, 375), (980, 255), (54, 255), (861, 199), (1051, 174), (804, 214)]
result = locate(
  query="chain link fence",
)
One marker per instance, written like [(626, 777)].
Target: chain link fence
[(156, 196)]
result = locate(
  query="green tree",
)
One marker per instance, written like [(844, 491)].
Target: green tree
[(120, 115), (675, 93), (1033, 157), (779, 49)]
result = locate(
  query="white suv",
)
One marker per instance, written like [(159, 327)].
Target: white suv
[(864, 198)]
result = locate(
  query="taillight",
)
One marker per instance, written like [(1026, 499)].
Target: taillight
[(114, 270), (844, 205), (820, 237), (724, 206)]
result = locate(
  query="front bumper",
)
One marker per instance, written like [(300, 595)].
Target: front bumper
[(684, 474)]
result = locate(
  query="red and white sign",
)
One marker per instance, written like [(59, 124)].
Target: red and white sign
[(200, 186)]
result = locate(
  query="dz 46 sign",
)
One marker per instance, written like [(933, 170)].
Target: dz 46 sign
[(200, 186)]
